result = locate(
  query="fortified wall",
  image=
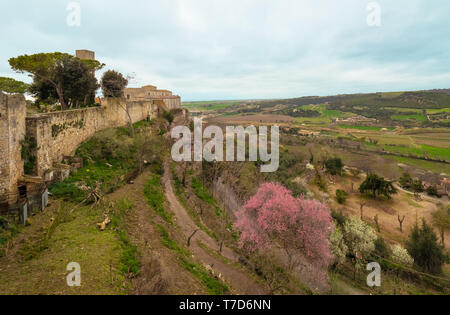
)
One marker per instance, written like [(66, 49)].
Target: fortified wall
[(12, 133), (55, 135)]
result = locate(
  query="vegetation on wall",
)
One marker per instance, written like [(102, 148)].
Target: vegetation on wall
[(29, 146)]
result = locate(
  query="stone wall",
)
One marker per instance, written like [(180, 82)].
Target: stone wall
[(59, 134), (12, 134), (56, 134)]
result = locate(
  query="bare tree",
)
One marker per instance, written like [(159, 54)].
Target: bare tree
[(190, 238), (401, 220), (377, 223), (361, 208)]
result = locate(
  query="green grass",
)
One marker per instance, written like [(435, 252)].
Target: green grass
[(367, 128), (421, 151), (214, 285), (179, 191), (435, 167), (73, 238), (129, 259), (436, 152), (201, 192), (109, 177), (107, 158), (421, 118), (210, 105), (154, 194)]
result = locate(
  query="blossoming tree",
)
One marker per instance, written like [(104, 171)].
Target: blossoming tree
[(273, 217)]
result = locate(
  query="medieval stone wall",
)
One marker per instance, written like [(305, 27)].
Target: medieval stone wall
[(59, 134), (56, 134), (12, 134)]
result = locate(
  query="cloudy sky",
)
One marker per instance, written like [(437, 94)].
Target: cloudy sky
[(244, 49)]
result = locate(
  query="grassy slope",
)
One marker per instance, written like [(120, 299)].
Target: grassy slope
[(37, 269)]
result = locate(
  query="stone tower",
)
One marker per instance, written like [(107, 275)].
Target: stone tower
[(85, 54)]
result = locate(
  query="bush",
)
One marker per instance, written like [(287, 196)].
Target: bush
[(405, 181), (168, 116), (338, 217), (359, 237), (433, 192), (381, 249), (341, 196), (338, 246), (401, 256), (424, 248), (334, 166)]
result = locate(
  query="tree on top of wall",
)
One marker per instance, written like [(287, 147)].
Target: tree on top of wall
[(9, 85), (113, 84), (76, 78), (50, 67)]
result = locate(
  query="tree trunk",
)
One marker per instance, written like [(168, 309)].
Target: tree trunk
[(61, 96), (130, 121), (190, 238)]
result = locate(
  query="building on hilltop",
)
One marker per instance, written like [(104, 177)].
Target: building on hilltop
[(151, 93), (85, 54)]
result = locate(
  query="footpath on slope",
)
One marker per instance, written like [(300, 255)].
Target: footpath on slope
[(160, 272), (239, 281)]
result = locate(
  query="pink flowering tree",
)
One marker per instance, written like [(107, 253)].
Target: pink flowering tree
[(302, 228)]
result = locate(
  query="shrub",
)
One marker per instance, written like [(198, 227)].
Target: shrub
[(432, 191), (359, 237), (401, 256), (424, 248), (334, 165), (338, 217), (341, 196), (338, 246), (381, 249), (405, 181), (168, 116)]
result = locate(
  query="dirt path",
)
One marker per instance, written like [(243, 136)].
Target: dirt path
[(160, 273), (239, 281)]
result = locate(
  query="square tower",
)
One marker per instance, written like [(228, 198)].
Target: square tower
[(85, 54)]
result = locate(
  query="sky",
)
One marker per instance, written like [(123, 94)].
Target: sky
[(243, 49)]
